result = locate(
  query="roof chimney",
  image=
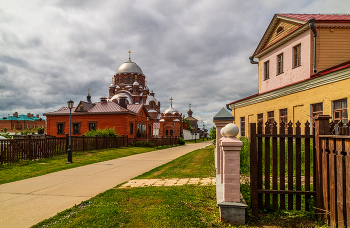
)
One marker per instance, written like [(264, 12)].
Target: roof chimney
[(28, 115), (103, 100), (15, 114), (123, 101)]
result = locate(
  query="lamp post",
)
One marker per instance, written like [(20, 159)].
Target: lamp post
[(147, 129), (69, 151)]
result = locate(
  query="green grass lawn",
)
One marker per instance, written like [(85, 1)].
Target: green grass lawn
[(199, 163), (26, 169), (175, 206), (198, 140)]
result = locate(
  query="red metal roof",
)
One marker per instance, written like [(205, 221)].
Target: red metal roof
[(332, 69), (99, 107), (107, 106), (318, 17), (156, 125), (135, 107)]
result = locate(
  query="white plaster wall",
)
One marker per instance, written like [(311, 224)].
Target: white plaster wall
[(155, 132), (289, 75), (187, 135)]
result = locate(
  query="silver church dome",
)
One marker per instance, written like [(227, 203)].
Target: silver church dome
[(171, 110), (129, 67)]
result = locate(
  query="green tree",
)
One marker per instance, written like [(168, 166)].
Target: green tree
[(189, 127), (212, 134)]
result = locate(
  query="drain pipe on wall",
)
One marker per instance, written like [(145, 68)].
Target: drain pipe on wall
[(232, 112), (313, 29), (251, 58), (296, 106)]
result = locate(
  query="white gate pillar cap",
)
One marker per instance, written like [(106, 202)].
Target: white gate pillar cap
[(230, 130), (222, 132)]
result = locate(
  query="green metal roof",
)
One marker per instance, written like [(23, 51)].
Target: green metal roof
[(223, 114), (22, 118)]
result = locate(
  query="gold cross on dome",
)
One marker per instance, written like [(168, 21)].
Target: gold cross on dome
[(135, 77), (88, 90), (129, 55), (112, 79), (171, 101)]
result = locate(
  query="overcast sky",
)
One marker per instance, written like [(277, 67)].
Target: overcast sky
[(194, 51)]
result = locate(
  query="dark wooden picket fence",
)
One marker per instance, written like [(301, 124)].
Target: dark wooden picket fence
[(12, 150), (29, 148), (275, 152), (333, 176), (302, 166), (155, 142)]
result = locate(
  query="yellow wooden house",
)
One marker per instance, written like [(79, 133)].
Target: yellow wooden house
[(304, 70)]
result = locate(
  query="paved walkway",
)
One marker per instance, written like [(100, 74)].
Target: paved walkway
[(27, 202)]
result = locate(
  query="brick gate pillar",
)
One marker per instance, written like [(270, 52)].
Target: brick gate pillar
[(233, 206)]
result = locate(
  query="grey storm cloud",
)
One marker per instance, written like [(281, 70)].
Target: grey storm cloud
[(194, 51)]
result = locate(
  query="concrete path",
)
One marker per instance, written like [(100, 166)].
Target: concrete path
[(25, 203)]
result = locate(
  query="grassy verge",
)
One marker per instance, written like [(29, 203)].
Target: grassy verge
[(198, 140), (199, 163), (279, 218), (26, 169), (178, 206)]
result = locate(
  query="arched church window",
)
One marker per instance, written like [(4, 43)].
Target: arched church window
[(171, 133), (151, 105), (122, 79), (128, 79), (166, 132)]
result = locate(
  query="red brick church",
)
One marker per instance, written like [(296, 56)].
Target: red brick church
[(131, 108), (171, 122), (130, 81)]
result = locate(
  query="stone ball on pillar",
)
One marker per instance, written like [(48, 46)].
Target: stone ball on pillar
[(230, 130), (222, 132)]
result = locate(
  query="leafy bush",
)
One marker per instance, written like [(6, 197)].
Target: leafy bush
[(107, 132), (212, 134), (245, 156), (41, 130), (143, 144), (181, 141), (6, 135)]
